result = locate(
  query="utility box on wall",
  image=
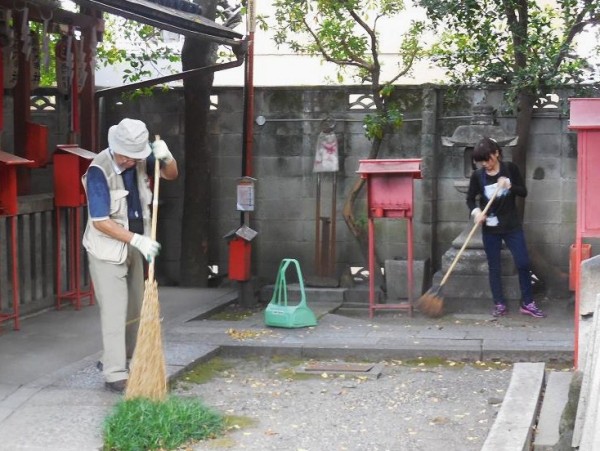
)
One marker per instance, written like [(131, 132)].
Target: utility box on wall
[(240, 253), (70, 163), (8, 182)]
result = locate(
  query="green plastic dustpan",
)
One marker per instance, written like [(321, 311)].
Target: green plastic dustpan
[(278, 313)]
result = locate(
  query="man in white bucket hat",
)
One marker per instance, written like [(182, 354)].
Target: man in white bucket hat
[(116, 236)]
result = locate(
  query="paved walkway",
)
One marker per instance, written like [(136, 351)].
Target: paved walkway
[(52, 397)]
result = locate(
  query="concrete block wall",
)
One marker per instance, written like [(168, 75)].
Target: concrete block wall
[(283, 153), (163, 115)]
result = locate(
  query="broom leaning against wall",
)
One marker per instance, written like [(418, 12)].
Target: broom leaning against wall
[(117, 237)]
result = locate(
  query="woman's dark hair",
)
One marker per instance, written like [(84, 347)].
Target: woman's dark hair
[(484, 149)]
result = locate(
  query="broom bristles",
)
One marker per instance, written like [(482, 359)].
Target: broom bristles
[(147, 377), (431, 304)]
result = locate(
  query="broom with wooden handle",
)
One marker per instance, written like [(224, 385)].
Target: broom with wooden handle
[(148, 375), (432, 302)]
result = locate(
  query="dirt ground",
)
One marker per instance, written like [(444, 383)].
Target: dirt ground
[(416, 405)]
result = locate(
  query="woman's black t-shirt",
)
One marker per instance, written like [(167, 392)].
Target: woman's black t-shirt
[(504, 205)]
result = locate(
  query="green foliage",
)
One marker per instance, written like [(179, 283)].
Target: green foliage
[(141, 424), (344, 32), (519, 43), (146, 45), (377, 124)]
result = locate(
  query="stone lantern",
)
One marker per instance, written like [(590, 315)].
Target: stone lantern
[(483, 123), (469, 280)]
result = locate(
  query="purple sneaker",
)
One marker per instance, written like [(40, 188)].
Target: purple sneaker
[(532, 310), (499, 310)]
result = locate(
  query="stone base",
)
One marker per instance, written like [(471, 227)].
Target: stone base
[(474, 261), (461, 291), (396, 278)]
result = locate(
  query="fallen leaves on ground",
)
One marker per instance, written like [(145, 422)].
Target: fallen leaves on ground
[(246, 334)]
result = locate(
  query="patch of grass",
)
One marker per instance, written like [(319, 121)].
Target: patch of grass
[(431, 362), (235, 312), (205, 371), (142, 424), (239, 422), (232, 423), (292, 375)]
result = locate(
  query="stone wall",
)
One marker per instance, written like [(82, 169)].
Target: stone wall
[(283, 154)]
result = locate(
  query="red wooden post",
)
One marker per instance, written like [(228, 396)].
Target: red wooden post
[(585, 119)]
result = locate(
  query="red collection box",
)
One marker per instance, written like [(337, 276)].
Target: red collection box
[(8, 182), (70, 163), (390, 186)]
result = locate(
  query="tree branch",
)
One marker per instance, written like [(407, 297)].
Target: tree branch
[(327, 56)]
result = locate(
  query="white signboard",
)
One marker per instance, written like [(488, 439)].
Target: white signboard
[(245, 194)]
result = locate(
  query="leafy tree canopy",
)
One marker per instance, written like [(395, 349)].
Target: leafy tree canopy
[(524, 44), (345, 33)]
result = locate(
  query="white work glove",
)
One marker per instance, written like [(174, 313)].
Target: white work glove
[(161, 151), (504, 182), (147, 246), (477, 215)]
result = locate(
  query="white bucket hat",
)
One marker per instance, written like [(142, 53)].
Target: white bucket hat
[(129, 138)]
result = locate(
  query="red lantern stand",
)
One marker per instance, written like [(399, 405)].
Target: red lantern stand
[(585, 119), (390, 195), (9, 207), (70, 163)]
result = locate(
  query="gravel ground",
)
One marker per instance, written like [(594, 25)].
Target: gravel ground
[(414, 405)]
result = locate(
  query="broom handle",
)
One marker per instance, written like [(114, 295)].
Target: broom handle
[(473, 229), (154, 212)]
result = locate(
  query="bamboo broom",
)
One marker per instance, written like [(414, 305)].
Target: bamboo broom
[(147, 376)]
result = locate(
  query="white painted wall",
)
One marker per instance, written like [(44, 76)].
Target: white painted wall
[(281, 67)]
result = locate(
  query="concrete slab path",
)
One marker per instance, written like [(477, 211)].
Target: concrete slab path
[(52, 396)]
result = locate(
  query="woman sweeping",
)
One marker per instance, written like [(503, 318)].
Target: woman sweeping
[(501, 223)]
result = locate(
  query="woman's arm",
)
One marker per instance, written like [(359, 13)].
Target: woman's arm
[(474, 191), (516, 181)]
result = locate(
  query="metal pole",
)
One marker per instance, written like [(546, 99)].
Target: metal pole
[(246, 295), (248, 126)]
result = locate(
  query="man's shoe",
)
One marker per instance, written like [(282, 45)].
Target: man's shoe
[(117, 386), (100, 365), (499, 310), (532, 310)]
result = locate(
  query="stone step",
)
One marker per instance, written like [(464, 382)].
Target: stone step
[(469, 286), (312, 294), (555, 399), (513, 428)]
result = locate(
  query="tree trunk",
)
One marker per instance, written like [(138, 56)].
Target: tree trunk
[(360, 231), (525, 104), (196, 197), (555, 280)]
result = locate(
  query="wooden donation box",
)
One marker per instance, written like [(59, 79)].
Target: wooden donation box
[(390, 195)]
